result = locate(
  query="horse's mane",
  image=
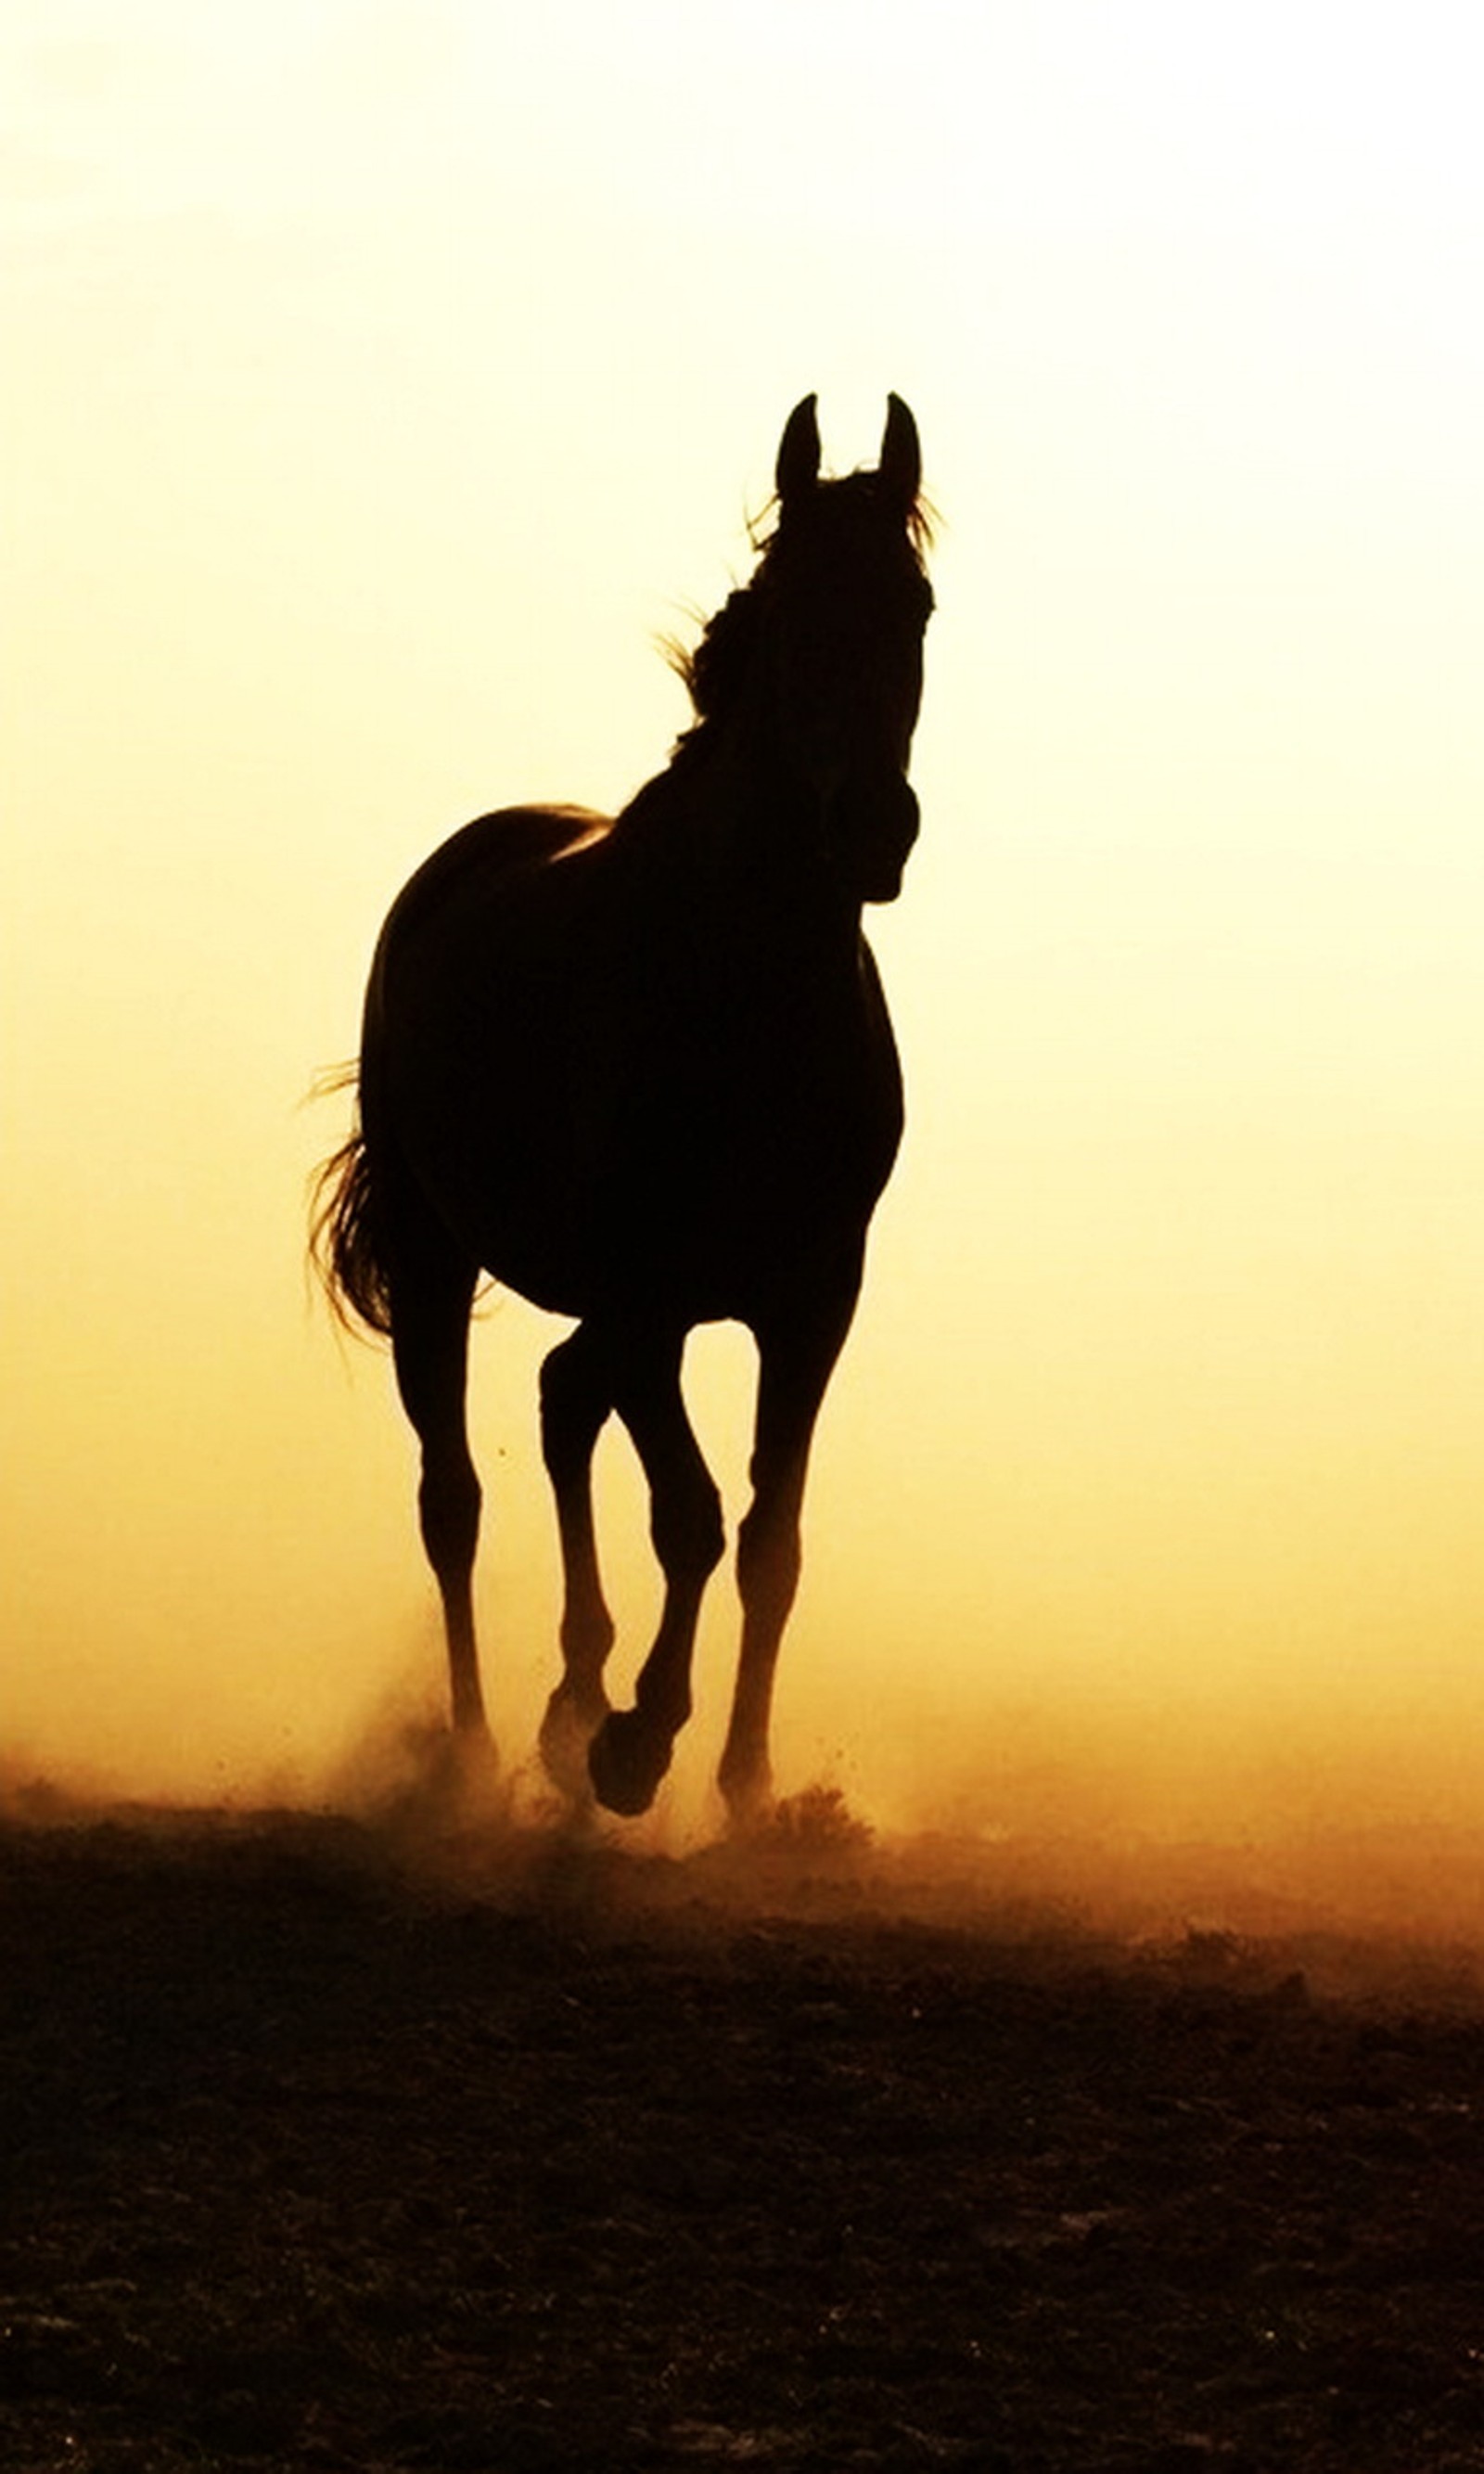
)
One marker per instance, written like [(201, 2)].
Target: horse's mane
[(714, 670)]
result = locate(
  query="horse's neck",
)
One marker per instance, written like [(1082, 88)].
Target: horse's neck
[(732, 844)]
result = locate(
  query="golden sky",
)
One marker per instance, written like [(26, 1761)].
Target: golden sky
[(385, 379)]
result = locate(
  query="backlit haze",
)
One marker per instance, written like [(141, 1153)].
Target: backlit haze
[(384, 381)]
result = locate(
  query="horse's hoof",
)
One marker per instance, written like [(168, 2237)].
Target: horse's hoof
[(471, 1742), (749, 1820), (472, 1778), (446, 1779), (567, 1731), (626, 1762), (748, 1793)]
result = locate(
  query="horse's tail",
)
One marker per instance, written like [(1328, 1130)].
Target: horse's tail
[(348, 1237)]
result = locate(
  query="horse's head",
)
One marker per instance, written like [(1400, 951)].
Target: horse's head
[(814, 669), (848, 605)]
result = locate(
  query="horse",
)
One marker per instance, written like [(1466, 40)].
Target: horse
[(640, 1070)]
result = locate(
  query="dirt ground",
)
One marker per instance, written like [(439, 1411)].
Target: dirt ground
[(325, 2150)]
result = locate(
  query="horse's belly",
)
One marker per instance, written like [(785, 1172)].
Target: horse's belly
[(644, 1211)]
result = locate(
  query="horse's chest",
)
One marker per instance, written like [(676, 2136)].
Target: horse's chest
[(795, 1105)]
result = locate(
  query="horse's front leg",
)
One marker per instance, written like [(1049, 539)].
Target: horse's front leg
[(577, 1396), (631, 1751), (797, 1354)]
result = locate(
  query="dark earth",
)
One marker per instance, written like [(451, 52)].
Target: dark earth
[(328, 2148)]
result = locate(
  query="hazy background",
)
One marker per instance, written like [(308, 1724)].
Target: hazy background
[(384, 379)]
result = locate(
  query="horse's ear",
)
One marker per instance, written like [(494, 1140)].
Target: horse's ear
[(901, 456), (798, 452)]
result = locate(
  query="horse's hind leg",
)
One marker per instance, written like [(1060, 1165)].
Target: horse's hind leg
[(577, 1396), (630, 1752), (432, 1296)]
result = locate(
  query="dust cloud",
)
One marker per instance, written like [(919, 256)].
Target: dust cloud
[(1039, 1829), (261, 1635)]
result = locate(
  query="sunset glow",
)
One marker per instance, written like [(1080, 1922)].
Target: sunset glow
[(391, 377)]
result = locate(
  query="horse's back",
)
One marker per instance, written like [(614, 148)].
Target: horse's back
[(492, 852)]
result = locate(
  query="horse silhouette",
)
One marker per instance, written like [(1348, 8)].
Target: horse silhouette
[(640, 1069)]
